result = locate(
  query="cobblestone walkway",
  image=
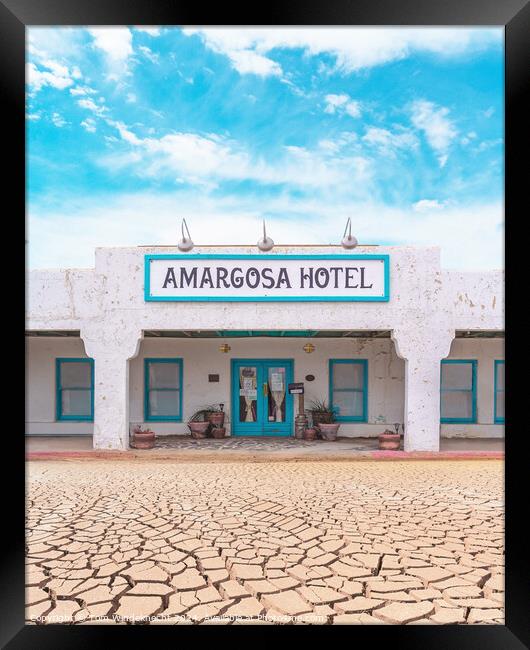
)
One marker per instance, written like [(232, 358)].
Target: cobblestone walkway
[(417, 542), (263, 443)]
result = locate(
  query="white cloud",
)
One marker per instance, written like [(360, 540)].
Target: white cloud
[(128, 221), (389, 143), (427, 205), (131, 98), (353, 48), (439, 130), (152, 31), (488, 112), (149, 54), (342, 104), (116, 45), (56, 76), (89, 124), (207, 160), (58, 120), (91, 105), (82, 90)]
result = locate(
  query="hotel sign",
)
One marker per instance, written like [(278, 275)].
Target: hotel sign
[(232, 278)]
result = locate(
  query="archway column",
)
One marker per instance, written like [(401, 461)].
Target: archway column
[(111, 348), (422, 346)]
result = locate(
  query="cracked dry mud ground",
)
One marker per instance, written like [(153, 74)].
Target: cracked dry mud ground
[(312, 542)]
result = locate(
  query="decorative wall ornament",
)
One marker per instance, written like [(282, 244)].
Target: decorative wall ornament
[(309, 347)]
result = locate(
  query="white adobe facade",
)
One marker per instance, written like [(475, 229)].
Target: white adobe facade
[(102, 314)]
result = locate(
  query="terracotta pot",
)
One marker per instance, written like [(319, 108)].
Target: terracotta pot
[(217, 418), (219, 432), (199, 429), (389, 440), (319, 417), (310, 434), (329, 431), (143, 440)]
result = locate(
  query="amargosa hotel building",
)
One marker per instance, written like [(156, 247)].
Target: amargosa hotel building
[(151, 334)]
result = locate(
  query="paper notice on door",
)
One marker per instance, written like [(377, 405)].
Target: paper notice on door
[(250, 393), (248, 383), (276, 381)]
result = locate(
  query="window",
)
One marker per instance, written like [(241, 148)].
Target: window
[(163, 390), (499, 392), (458, 391), (74, 380), (348, 394)]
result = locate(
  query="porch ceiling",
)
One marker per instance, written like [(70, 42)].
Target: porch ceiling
[(208, 334)]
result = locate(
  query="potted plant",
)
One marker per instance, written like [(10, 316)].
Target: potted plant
[(216, 415), (310, 433), (218, 432), (390, 440), (324, 419), (199, 424), (143, 438)]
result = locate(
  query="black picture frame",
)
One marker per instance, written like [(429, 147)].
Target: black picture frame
[(15, 15)]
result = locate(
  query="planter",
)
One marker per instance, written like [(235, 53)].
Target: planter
[(218, 432), (389, 440), (198, 429), (320, 418), (310, 434), (143, 440), (217, 418), (329, 431)]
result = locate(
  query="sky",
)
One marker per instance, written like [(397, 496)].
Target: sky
[(130, 129)]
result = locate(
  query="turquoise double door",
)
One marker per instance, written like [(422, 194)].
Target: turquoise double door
[(261, 404)]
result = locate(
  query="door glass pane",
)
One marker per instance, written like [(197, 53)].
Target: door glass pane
[(457, 404), (164, 403), (348, 403), (500, 376), (276, 394), (76, 402), (164, 375), (348, 375), (248, 394), (457, 375), (76, 374), (499, 400)]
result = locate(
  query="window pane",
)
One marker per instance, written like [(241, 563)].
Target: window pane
[(164, 403), (500, 376), (164, 375), (499, 402), (76, 374), (348, 375), (276, 394), (248, 394), (348, 404), (457, 375), (457, 404), (76, 402)]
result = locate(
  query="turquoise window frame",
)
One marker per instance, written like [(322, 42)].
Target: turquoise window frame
[(497, 419), (60, 417), (364, 390), (161, 418), (472, 390)]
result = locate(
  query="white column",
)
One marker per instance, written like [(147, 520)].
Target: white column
[(423, 347), (111, 356)]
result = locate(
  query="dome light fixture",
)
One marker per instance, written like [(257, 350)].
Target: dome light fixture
[(265, 243), (185, 244), (308, 347), (225, 347), (348, 240)]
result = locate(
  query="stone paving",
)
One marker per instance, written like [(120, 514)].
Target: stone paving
[(161, 542), (263, 443)]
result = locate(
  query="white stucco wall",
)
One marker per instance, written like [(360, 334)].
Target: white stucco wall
[(426, 306), (41, 353)]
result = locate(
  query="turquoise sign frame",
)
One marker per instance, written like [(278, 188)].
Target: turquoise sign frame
[(149, 298)]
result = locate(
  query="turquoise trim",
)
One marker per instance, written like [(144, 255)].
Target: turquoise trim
[(385, 258), (268, 333), (473, 390), (497, 419), (58, 390), (364, 390), (161, 418), (262, 427)]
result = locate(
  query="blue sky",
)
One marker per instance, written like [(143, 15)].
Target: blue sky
[(131, 129)]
